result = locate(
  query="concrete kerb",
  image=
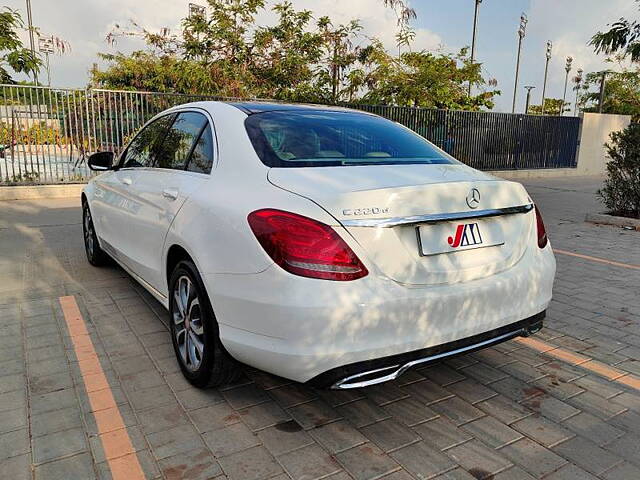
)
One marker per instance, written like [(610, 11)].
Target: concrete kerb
[(605, 219), (36, 192)]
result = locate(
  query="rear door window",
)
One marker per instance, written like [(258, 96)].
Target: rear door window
[(201, 158)]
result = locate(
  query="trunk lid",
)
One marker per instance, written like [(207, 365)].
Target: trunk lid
[(420, 253)]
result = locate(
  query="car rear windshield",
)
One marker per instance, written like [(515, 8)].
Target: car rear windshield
[(328, 138)]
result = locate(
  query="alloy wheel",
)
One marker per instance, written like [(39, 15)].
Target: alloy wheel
[(188, 326), (88, 231)]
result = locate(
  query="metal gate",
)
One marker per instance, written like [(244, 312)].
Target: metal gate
[(47, 134)]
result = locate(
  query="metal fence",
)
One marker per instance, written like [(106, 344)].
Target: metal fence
[(46, 134)]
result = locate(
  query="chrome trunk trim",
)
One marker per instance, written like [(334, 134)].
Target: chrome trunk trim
[(397, 370), (435, 217)]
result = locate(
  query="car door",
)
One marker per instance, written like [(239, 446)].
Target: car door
[(115, 205), (159, 192)]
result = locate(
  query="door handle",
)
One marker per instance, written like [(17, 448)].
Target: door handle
[(126, 180), (170, 193)]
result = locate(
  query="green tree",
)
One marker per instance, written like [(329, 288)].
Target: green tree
[(13, 55), (622, 37), (621, 190), (621, 92), (552, 106)]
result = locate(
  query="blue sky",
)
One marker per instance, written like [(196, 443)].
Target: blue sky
[(443, 25)]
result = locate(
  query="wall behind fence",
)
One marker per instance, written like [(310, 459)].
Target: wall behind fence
[(46, 134)]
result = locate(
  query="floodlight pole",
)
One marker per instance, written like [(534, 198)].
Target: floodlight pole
[(31, 42), (578, 81), (473, 39), (567, 68), (546, 72), (528, 88), (521, 33)]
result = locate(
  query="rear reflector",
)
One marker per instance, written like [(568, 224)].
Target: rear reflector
[(305, 247), (542, 232)]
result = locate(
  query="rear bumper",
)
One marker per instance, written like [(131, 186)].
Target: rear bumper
[(301, 328), (372, 372)]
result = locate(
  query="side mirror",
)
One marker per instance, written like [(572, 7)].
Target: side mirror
[(101, 161)]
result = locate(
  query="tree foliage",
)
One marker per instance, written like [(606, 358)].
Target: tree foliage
[(621, 190), (13, 55), (299, 58), (621, 92), (622, 37), (552, 106)]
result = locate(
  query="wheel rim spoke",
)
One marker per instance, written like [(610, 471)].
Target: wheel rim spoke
[(188, 326)]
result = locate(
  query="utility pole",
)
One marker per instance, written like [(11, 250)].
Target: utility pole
[(473, 39), (521, 33), (528, 88), (546, 71), (603, 82), (31, 42), (567, 68), (578, 81)]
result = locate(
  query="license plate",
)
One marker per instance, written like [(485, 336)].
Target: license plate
[(453, 237)]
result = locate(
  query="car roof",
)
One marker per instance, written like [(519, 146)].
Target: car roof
[(253, 107)]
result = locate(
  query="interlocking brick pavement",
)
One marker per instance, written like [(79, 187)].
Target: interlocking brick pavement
[(564, 406)]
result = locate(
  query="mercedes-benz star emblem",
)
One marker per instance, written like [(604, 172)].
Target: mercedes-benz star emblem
[(473, 199)]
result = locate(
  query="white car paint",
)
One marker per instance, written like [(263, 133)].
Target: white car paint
[(300, 327)]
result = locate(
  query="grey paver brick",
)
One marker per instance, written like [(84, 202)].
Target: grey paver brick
[(284, 437), (587, 455), (336, 398), (457, 410), (622, 471), (551, 407), (213, 417), (455, 474), (245, 396), (482, 462), (14, 443), (570, 472), (12, 400), (151, 397), (50, 383), (231, 439), (251, 464), (313, 414), (309, 462), (472, 391), (390, 435), (367, 462), (592, 427), (532, 457), (483, 373), (168, 443), (442, 374), (504, 409), (385, 393), (17, 468), (292, 395), (10, 383), (75, 467), (627, 447), (596, 405), (263, 415), (422, 460), (362, 412), (427, 391), (55, 421), (55, 445), (13, 420), (199, 464), (193, 398), (598, 386), (410, 411), (557, 388), (543, 431), (441, 433), (338, 436), (514, 473), (146, 460), (492, 432)]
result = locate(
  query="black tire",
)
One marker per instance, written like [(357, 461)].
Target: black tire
[(96, 256), (207, 364)]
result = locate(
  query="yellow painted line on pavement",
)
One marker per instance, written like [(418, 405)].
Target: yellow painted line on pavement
[(611, 373), (597, 259), (116, 443)]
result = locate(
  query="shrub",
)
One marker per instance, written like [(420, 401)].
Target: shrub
[(621, 190)]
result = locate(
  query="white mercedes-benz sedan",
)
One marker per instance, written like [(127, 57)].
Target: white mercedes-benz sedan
[(324, 245)]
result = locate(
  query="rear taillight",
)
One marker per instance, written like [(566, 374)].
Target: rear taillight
[(305, 247), (542, 232)]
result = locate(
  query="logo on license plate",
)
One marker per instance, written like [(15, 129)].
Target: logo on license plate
[(467, 235)]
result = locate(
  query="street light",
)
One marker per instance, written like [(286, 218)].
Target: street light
[(567, 68), (546, 71), (31, 42), (578, 81), (528, 88), (521, 33), (473, 39)]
